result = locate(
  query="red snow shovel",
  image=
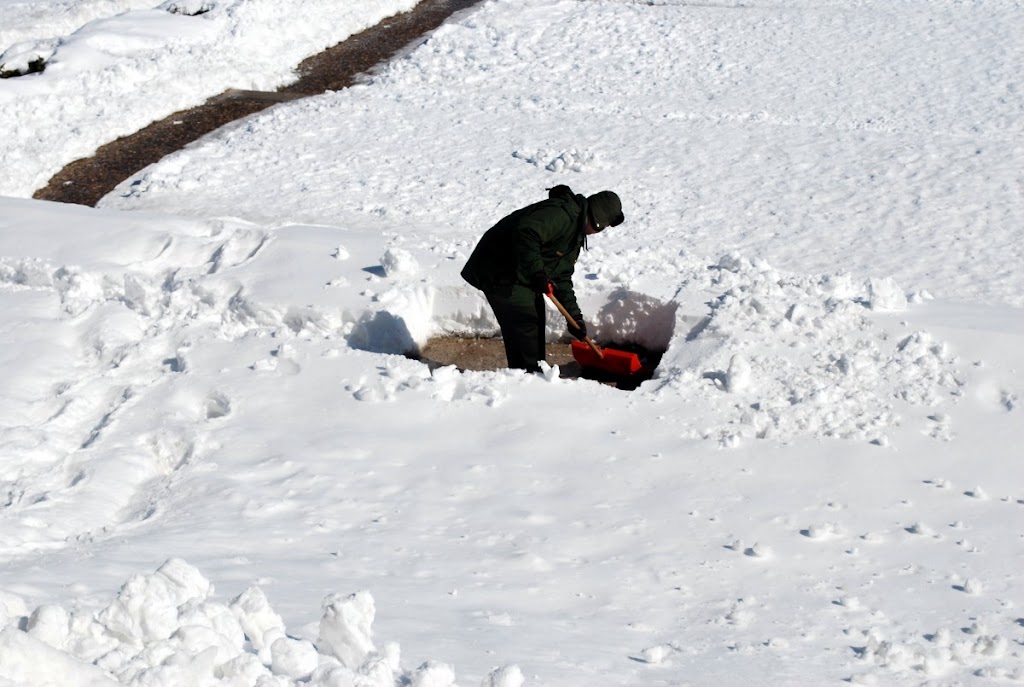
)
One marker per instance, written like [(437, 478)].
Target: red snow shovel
[(589, 354)]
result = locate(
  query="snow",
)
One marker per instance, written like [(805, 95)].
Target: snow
[(219, 469), (112, 67)]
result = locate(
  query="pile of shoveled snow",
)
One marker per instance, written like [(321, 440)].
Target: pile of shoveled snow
[(783, 355), (165, 628)]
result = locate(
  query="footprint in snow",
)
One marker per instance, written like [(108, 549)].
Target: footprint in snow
[(1008, 400), (758, 551), (280, 361), (921, 529), (823, 531), (970, 586), (655, 654), (939, 428), (755, 550)]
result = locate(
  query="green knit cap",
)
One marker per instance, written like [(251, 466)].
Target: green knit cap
[(605, 210)]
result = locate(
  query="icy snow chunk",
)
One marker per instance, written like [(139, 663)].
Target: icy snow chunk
[(177, 668), (505, 676), (25, 660), (549, 372), (261, 624), (885, 295), (12, 608), (195, 639), (216, 617), (147, 605), (737, 377), (346, 628), (50, 624), (381, 669), (399, 262), (656, 654), (294, 658), (244, 669), (733, 262), (433, 674)]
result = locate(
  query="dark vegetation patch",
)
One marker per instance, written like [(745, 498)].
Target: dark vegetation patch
[(189, 9), (36, 66)]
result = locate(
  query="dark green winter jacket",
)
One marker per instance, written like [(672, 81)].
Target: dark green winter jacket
[(546, 236)]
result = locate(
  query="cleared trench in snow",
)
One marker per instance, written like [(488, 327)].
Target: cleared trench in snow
[(473, 353)]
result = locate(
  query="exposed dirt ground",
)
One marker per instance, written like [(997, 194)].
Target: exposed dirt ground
[(86, 181), (489, 354)]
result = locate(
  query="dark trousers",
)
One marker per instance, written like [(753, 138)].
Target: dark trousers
[(521, 317)]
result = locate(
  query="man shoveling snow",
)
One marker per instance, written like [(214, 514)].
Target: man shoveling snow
[(533, 252)]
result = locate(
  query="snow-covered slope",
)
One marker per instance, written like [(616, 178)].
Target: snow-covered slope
[(206, 406), (879, 138)]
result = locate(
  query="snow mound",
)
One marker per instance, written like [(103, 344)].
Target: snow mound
[(782, 356), (164, 628)]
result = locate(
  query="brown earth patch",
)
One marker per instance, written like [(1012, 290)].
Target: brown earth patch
[(480, 354), (487, 354)]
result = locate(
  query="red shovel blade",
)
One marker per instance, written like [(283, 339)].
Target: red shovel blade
[(616, 362)]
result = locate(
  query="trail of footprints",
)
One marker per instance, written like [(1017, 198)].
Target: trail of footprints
[(990, 646)]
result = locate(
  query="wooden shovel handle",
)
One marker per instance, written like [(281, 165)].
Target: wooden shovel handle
[(569, 318)]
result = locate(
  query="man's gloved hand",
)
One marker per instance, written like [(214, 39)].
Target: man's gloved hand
[(540, 283), (580, 332)]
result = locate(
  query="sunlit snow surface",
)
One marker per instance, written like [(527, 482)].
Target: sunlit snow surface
[(205, 405)]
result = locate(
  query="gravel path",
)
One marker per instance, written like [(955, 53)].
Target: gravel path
[(86, 181)]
